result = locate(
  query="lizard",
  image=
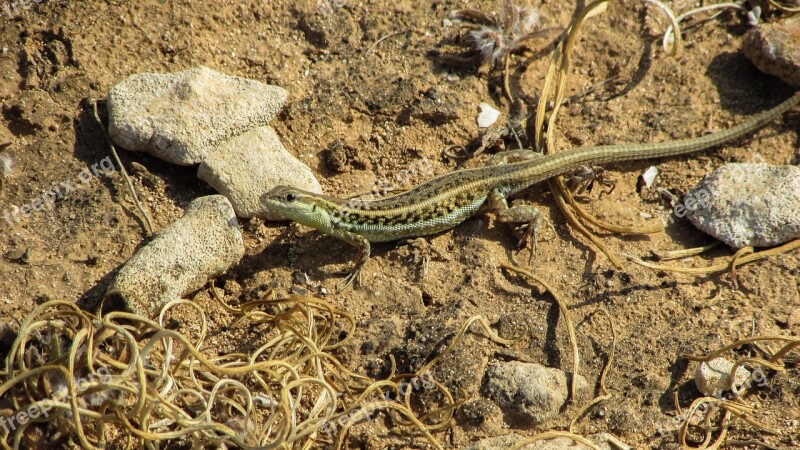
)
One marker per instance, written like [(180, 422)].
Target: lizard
[(445, 201)]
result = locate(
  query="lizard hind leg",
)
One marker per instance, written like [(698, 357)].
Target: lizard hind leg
[(527, 218)]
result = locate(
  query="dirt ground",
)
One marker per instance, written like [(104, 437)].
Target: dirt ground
[(366, 74)]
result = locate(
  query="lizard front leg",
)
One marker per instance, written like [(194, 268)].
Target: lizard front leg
[(363, 247), (529, 218)]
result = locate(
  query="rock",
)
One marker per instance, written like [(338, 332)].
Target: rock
[(528, 392), (711, 377), (775, 49), (496, 443), (204, 243), (6, 137), (248, 166), (181, 117), (5, 168), (482, 414), (508, 441), (794, 320), (748, 204)]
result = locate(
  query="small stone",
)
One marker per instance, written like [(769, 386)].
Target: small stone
[(482, 414), (508, 441), (496, 443), (5, 167), (487, 116), (747, 204), (232, 287), (248, 166), (182, 117), (775, 49), (649, 176), (202, 244), (6, 137), (794, 320), (711, 377), (528, 392), (297, 290)]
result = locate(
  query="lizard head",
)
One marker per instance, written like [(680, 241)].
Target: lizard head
[(306, 208)]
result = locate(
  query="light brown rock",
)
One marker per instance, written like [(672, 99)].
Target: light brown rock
[(181, 117), (775, 49), (748, 204), (202, 244), (248, 166), (712, 377)]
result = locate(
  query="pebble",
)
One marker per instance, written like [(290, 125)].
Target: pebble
[(182, 117), (602, 440), (748, 204), (503, 442), (202, 244), (488, 115), (775, 49), (6, 137), (248, 166), (5, 167), (711, 377), (528, 392), (794, 319), (649, 176)]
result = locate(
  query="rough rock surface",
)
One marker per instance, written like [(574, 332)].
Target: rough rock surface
[(205, 242), (247, 166), (497, 442), (507, 441), (712, 377), (5, 136), (775, 49), (748, 204), (181, 117), (528, 392)]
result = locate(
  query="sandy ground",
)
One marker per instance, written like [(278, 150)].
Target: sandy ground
[(389, 105)]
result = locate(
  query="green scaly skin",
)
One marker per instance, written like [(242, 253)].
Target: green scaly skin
[(445, 201)]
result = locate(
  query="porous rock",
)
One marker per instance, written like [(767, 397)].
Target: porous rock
[(748, 204), (503, 442), (248, 166), (712, 377), (528, 392), (507, 441), (202, 244), (181, 117)]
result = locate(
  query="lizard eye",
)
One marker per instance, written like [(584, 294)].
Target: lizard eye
[(290, 197)]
